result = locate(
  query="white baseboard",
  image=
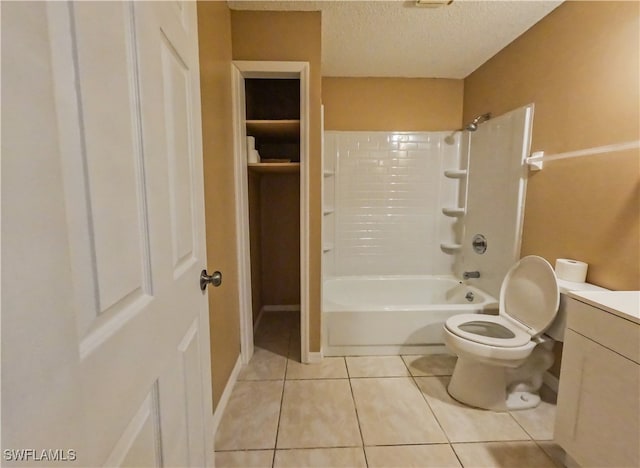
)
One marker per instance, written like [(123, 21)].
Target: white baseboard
[(551, 381), (282, 308), (226, 394), (260, 314), (315, 358)]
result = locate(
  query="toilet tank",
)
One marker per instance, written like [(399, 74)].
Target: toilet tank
[(556, 330)]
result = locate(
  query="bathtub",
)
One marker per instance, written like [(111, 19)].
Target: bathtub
[(368, 315)]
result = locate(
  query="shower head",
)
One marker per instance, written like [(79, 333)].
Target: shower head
[(473, 126)]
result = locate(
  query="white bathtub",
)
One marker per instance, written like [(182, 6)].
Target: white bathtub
[(394, 315)]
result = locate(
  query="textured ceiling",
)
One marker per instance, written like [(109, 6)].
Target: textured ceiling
[(396, 38)]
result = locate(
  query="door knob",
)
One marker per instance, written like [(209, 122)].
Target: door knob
[(205, 279)]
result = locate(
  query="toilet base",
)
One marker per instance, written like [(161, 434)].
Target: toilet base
[(522, 400), (477, 384), (485, 386)]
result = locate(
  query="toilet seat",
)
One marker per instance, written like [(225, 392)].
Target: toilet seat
[(529, 300), (494, 325)]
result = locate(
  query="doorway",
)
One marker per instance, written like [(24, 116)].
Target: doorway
[(271, 141)]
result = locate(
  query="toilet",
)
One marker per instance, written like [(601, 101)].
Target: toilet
[(501, 359)]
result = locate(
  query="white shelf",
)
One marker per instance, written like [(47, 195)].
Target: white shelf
[(328, 211), (453, 212), (329, 173), (327, 247), (456, 173), (450, 246)]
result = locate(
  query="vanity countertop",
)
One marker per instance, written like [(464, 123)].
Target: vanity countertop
[(624, 304)]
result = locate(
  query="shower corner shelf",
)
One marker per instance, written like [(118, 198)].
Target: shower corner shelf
[(456, 173), (328, 211), (327, 247), (450, 246), (329, 173), (453, 212)]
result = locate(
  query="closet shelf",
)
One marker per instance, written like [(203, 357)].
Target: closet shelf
[(456, 173), (274, 129), (453, 212), (273, 168)]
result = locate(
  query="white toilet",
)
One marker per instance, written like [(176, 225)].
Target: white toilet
[(501, 359)]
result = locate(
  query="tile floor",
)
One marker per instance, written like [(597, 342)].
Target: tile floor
[(382, 411)]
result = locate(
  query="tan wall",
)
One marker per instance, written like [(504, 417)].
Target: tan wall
[(255, 223), (280, 236), (292, 36), (214, 33), (580, 66), (274, 220), (384, 104)]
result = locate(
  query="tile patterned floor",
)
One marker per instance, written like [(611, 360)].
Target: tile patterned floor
[(382, 411)]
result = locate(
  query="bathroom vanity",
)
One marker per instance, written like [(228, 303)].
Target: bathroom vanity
[(598, 412)]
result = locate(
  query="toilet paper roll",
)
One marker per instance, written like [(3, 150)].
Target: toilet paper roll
[(253, 156), (571, 270), (251, 143)]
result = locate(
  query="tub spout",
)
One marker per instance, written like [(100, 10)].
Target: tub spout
[(470, 274)]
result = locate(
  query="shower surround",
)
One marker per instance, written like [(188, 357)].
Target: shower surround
[(384, 194), (400, 212)]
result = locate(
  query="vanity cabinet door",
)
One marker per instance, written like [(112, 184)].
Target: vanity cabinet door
[(598, 419)]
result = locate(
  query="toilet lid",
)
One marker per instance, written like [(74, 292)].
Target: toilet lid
[(492, 330), (530, 294)]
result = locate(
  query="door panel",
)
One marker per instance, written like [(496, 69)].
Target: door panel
[(104, 41), (125, 80), (175, 76), (190, 349), (140, 443)]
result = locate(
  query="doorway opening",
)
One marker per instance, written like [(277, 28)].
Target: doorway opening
[(271, 140)]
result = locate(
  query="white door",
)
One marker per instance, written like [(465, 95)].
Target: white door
[(103, 196)]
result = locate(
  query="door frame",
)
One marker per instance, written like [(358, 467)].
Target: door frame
[(241, 70)]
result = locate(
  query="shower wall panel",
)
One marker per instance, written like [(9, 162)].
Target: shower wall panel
[(389, 194)]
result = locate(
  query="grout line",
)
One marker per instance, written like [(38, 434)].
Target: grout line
[(243, 450), (284, 382), (408, 445), (519, 425), (275, 444), (508, 441), (319, 378), (437, 419), (553, 460), (355, 407), (363, 446)]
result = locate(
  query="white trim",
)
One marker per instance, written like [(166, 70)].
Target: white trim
[(267, 69), (242, 215), (262, 69), (314, 358), (551, 381), (226, 394), (305, 208)]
